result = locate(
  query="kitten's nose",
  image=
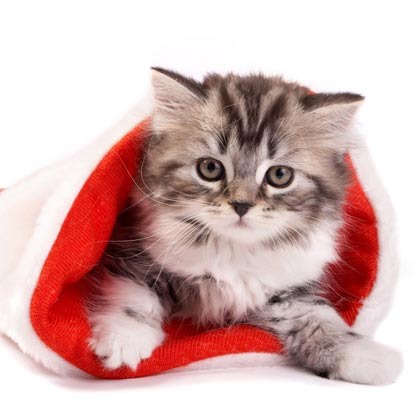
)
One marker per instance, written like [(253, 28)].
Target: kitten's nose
[(241, 207)]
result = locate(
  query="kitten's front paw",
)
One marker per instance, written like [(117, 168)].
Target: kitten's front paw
[(368, 362), (124, 342)]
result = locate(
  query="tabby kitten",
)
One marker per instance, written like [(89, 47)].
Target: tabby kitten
[(233, 219)]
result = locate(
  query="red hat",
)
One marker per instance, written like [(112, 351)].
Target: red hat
[(53, 228)]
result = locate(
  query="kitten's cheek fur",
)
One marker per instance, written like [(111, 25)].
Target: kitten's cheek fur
[(368, 362)]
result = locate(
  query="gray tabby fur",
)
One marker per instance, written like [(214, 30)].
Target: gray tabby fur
[(180, 250)]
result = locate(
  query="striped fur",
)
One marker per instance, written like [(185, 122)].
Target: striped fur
[(181, 249)]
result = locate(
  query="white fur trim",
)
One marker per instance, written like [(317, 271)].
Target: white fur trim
[(378, 302), (31, 215)]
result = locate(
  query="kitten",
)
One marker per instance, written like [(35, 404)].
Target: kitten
[(233, 219)]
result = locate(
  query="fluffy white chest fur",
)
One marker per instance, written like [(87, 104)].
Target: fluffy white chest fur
[(241, 277)]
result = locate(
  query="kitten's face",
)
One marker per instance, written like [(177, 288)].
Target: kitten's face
[(249, 159)]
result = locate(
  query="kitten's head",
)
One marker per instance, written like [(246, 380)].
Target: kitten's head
[(247, 158)]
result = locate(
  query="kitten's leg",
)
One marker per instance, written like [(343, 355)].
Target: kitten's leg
[(317, 337), (126, 322)]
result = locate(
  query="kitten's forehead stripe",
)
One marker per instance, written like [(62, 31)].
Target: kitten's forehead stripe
[(242, 103), (275, 112), (252, 98), (229, 108)]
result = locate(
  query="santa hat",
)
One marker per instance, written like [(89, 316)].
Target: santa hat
[(53, 228)]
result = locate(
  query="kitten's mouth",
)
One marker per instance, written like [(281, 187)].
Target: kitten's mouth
[(240, 223)]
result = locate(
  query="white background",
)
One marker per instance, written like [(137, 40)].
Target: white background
[(69, 70)]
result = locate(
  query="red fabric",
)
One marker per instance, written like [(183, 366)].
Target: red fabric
[(57, 308)]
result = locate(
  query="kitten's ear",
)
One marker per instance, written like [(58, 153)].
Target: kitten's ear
[(174, 90), (178, 85), (332, 111), (174, 95)]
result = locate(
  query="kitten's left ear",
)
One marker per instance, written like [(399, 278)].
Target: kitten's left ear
[(332, 111)]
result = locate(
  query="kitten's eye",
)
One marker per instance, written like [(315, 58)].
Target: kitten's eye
[(280, 176), (210, 169)]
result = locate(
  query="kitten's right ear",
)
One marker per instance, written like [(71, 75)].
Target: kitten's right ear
[(173, 89), (332, 111), (328, 117), (174, 96)]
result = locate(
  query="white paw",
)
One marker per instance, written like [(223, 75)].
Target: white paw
[(124, 342), (370, 363)]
